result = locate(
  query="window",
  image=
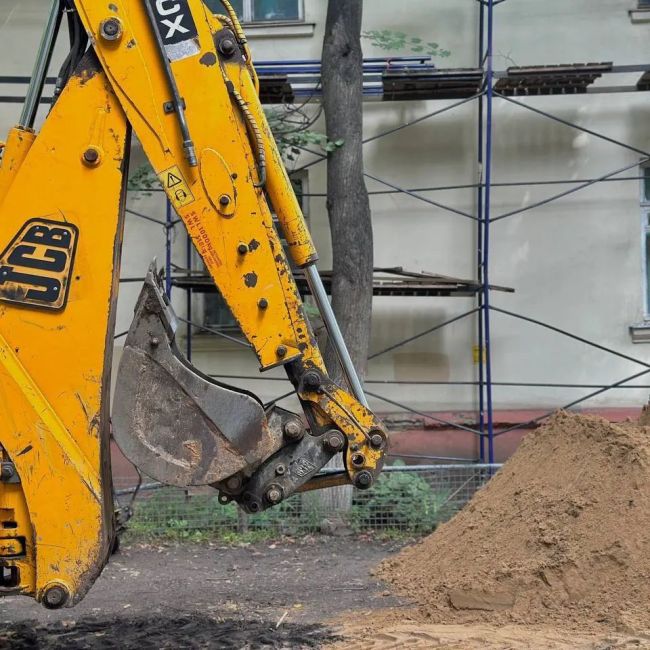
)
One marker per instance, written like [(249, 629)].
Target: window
[(260, 11), (216, 314), (645, 216), (644, 4)]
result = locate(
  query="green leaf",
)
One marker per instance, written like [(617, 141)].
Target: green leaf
[(390, 40)]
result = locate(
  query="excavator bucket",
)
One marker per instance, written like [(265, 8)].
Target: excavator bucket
[(174, 423)]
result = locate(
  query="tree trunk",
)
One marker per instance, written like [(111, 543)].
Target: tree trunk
[(347, 198)]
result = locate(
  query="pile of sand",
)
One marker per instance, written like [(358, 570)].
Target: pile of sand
[(560, 535)]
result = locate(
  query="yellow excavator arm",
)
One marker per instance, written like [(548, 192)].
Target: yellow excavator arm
[(183, 81)]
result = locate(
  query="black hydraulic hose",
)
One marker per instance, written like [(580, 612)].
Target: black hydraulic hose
[(179, 107), (78, 46)]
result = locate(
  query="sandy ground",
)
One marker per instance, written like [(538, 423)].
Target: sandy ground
[(216, 597), (416, 636)]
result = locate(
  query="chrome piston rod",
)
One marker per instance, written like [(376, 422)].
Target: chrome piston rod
[(334, 331), (39, 74)]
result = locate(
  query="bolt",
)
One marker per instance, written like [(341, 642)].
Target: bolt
[(242, 249), (111, 29), (224, 200), (91, 156), (253, 506), (274, 494), (155, 342), (263, 303), (293, 429), (311, 380), (358, 460), (227, 47), (233, 483), (376, 440), (6, 472), (55, 597), (281, 351), (363, 480), (280, 470), (333, 441)]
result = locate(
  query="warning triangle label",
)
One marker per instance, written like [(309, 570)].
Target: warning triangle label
[(176, 186), (173, 180)]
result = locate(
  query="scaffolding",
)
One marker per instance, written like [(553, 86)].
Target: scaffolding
[(485, 85), (402, 79)]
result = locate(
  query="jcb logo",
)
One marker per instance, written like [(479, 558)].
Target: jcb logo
[(175, 21), (35, 268)]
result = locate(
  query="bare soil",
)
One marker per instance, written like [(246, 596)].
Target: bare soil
[(560, 536), (386, 635), (553, 554), (207, 596), (321, 593)]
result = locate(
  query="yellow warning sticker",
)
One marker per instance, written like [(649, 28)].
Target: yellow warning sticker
[(176, 186)]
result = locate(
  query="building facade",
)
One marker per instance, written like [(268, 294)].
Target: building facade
[(580, 263)]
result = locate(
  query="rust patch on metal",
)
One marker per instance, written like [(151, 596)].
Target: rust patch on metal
[(194, 449)]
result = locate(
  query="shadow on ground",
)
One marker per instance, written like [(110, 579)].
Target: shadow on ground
[(162, 633)]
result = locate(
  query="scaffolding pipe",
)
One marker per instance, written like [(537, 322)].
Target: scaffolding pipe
[(168, 247), (486, 231), (188, 300), (479, 245)]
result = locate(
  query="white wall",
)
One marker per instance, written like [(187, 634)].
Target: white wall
[(575, 263)]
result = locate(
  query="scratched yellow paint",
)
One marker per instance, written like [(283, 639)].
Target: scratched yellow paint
[(215, 123), (54, 365), (16, 149), (50, 420)]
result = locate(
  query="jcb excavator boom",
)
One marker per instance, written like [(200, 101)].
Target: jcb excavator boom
[(183, 80)]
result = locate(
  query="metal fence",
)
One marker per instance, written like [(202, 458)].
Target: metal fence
[(405, 499)]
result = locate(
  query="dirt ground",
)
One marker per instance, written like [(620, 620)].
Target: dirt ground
[(209, 596), (317, 593)]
